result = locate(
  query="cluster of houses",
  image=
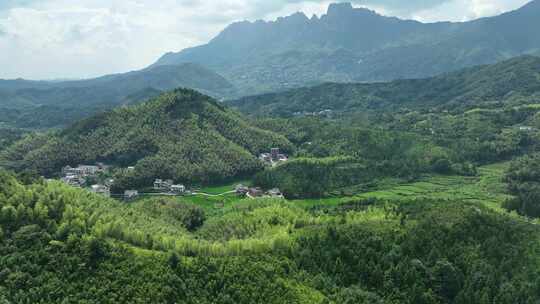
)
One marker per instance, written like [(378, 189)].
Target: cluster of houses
[(526, 128), (274, 157), (78, 177), (161, 186), (324, 113), (169, 186), (254, 192)]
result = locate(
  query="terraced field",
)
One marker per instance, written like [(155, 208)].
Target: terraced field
[(487, 188)]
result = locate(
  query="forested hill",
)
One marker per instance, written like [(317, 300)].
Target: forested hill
[(81, 98), (183, 135), (355, 45), (509, 82)]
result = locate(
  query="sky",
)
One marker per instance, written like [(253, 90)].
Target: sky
[(68, 39)]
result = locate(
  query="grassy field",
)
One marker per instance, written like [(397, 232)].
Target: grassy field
[(210, 198), (224, 188)]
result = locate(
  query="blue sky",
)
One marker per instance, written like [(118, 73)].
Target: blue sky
[(5, 4), (46, 39)]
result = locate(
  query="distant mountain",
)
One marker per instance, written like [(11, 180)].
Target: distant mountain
[(505, 82), (358, 45), (182, 135), (45, 117), (82, 97), (141, 96)]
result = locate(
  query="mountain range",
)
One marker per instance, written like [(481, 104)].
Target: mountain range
[(358, 45), (346, 45), (505, 83)]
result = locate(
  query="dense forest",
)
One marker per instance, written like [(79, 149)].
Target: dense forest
[(9, 135), (60, 244), (182, 135), (523, 179)]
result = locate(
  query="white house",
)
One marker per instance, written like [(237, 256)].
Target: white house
[(160, 184), (88, 170), (131, 194), (101, 189), (179, 189), (275, 193)]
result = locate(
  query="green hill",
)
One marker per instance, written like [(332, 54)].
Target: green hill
[(182, 135), (506, 82)]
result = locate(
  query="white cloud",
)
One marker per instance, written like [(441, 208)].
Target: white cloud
[(463, 10), (84, 38), (91, 39)]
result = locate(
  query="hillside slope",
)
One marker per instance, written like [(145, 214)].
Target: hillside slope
[(59, 244), (349, 44), (182, 135), (506, 82)]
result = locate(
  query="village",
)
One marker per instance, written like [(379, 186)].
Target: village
[(96, 179), (83, 175), (327, 113), (273, 158)]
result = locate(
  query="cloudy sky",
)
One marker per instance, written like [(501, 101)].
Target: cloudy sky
[(48, 39)]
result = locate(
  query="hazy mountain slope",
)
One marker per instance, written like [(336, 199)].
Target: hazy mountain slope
[(188, 75), (182, 135), (52, 101), (350, 44), (45, 117), (508, 80), (112, 89), (482, 41)]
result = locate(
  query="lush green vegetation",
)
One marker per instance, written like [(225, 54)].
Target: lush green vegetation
[(401, 145), (523, 178), (182, 135), (313, 177), (8, 136), (398, 196), (62, 244), (487, 188)]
